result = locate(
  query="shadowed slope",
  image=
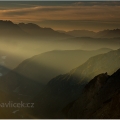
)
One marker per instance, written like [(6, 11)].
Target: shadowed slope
[(100, 99)]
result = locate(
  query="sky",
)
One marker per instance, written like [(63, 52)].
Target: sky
[(67, 15)]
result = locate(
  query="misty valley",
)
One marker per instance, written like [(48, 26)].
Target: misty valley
[(56, 74)]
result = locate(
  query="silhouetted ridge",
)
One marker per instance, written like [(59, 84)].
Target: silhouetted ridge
[(8, 25), (9, 29), (99, 100), (109, 33), (81, 33), (29, 26), (38, 31), (29, 30), (101, 34), (33, 30)]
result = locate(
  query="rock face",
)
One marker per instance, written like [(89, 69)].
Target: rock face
[(99, 99)]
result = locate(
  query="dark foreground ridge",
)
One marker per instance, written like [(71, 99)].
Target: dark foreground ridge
[(100, 99)]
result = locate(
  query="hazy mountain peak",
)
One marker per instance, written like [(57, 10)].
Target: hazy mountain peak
[(6, 21), (29, 25), (10, 30), (7, 24)]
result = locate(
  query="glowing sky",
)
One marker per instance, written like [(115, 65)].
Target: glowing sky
[(64, 15)]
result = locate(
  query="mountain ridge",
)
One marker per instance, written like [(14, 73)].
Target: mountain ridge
[(32, 29), (66, 88), (98, 99), (109, 33), (28, 30)]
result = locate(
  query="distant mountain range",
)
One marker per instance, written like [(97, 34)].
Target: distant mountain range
[(64, 89), (54, 62), (21, 30), (99, 99), (109, 33), (38, 31), (45, 80), (34, 73), (79, 33), (33, 38), (29, 30), (86, 33), (91, 43)]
